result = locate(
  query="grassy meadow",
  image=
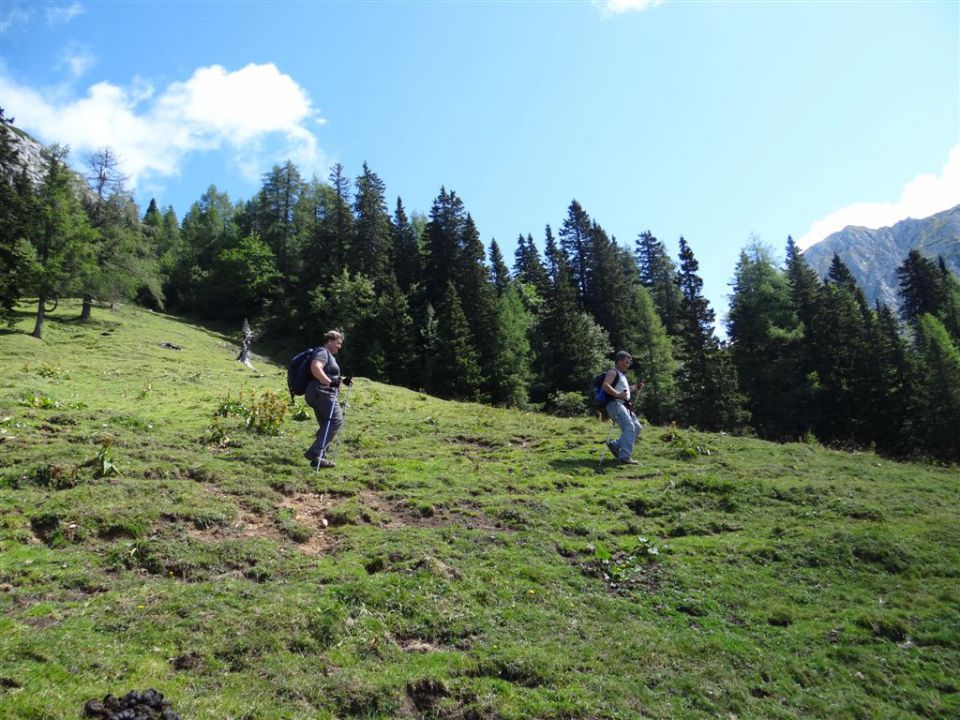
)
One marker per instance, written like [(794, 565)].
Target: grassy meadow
[(460, 561)]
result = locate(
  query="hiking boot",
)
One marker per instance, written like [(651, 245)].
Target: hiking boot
[(628, 461), (614, 450), (311, 455), (324, 463)]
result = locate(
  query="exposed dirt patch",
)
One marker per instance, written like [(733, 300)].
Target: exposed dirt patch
[(309, 511), (479, 442), (396, 513), (415, 645)]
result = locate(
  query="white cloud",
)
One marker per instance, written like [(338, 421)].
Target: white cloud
[(61, 14), (13, 15), (244, 112), (78, 60), (619, 7), (923, 196)]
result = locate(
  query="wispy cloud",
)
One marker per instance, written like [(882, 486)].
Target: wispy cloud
[(13, 16), (923, 196), (619, 7), (78, 60), (60, 14), (257, 114)]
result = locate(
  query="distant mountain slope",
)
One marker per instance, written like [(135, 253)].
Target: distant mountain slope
[(873, 256), (28, 155)]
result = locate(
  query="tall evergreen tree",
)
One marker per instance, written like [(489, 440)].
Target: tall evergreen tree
[(528, 267), (938, 389), (609, 282), (707, 386), (60, 234), (373, 236), (929, 287), (658, 276), (570, 346), (499, 274), (766, 338), (17, 196), (839, 343), (276, 214), (647, 340), (891, 391), (391, 345), (207, 229), (339, 221), (407, 253), (512, 356), (478, 295), (575, 236), (443, 236), (921, 289), (458, 375), (125, 264)]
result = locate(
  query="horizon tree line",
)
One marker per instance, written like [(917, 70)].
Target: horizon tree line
[(427, 305)]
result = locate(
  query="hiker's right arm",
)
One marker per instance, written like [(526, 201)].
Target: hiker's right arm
[(608, 386)]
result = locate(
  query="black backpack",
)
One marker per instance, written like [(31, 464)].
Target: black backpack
[(298, 372), (599, 396)]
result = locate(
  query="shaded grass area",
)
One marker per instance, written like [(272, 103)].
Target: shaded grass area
[(460, 562)]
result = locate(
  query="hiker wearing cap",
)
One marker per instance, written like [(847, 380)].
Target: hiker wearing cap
[(620, 408), (321, 395)]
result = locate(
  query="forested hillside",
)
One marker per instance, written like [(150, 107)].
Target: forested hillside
[(426, 304)]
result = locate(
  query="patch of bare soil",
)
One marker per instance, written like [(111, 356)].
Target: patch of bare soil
[(398, 513), (309, 510)]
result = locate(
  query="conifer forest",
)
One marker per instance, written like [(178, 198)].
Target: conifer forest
[(426, 304)]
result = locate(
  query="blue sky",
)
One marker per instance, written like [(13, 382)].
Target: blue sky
[(715, 121)]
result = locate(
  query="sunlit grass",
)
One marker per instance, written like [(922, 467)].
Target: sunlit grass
[(460, 562)]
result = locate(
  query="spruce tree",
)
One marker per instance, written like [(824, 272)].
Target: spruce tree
[(338, 231), (938, 389), (16, 198), (407, 253), (706, 379), (921, 288), (512, 356), (477, 296), (458, 375), (443, 235), (658, 275), (891, 425), (276, 214), (650, 345), (373, 236), (575, 235), (570, 346), (499, 274), (61, 236), (766, 338), (528, 267), (609, 285)]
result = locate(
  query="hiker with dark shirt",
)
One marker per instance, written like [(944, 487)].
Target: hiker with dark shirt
[(322, 395), (620, 408)]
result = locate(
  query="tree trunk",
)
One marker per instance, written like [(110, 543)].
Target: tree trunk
[(86, 309), (41, 314)]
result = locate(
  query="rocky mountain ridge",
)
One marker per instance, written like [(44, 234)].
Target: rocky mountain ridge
[(29, 155), (873, 256)]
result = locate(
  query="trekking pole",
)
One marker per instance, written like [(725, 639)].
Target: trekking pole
[(343, 423), (603, 447), (326, 431)]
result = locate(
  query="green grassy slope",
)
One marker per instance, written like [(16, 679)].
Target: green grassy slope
[(460, 561)]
